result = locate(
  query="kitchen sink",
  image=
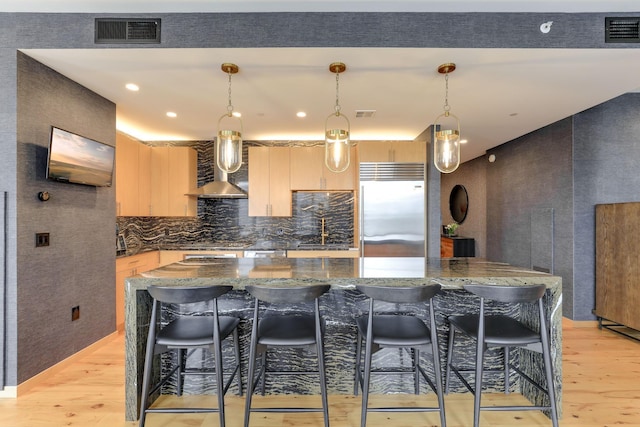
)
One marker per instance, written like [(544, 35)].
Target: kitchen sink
[(319, 247)]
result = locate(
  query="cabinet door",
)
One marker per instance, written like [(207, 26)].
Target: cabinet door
[(306, 168), (259, 181), (396, 151), (126, 175), (144, 180), (308, 171), (269, 181), (173, 173), (182, 177), (280, 181), (159, 181), (409, 152), (374, 151), (127, 267)]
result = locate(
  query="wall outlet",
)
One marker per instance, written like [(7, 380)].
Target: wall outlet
[(42, 239), (75, 313)]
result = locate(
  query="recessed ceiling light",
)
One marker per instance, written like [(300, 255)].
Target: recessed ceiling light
[(301, 114), (463, 141), (132, 87), (171, 114), (236, 114)]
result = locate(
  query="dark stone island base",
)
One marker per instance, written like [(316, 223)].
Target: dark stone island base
[(339, 307)]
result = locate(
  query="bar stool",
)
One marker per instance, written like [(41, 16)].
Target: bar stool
[(189, 332), (292, 330), (502, 331), (401, 331)]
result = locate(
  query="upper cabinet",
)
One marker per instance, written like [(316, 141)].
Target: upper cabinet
[(392, 151), (173, 174), (308, 171), (152, 181), (133, 179), (269, 181)]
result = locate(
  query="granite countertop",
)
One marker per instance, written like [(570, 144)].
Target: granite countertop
[(341, 272), (236, 246)]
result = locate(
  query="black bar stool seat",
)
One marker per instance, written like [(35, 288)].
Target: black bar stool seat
[(184, 334), (402, 331), (502, 331), (281, 326)]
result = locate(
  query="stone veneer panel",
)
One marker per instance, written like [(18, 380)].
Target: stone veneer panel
[(339, 307)]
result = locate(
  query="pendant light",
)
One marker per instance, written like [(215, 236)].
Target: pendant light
[(446, 147), (229, 143), (337, 145)]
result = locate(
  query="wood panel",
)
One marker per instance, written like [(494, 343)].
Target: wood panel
[(617, 263), (127, 267)]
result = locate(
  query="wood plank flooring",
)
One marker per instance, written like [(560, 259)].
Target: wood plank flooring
[(601, 388)]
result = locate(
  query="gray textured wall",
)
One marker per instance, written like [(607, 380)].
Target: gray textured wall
[(36, 30), (606, 170), (472, 175), (78, 266), (532, 173)]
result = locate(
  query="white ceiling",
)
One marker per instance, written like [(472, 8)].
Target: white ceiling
[(499, 94)]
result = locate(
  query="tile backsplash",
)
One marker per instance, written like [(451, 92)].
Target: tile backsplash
[(226, 221)]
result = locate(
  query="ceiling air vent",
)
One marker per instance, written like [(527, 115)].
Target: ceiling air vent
[(361, 114), (114, 30), (622, 30)]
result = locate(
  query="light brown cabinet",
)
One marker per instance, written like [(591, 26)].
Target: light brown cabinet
[(153, 181), (309, 172), (269, 181), (173, 174), (133, 179), (127, 267), (392, 151)]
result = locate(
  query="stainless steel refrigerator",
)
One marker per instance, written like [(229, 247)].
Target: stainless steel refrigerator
[(392, 210)]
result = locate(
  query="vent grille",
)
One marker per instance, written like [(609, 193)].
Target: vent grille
[(622, 30), (113, 30), (361, 114), (391, 171)]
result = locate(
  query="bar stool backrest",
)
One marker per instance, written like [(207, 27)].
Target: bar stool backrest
[(287, 295), (186, 294), (508, 294), (400, 294)]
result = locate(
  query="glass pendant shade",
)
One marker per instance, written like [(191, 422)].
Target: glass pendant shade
[(337, 150), (446, 146), (229, 143), (337, 139), (229, 149)]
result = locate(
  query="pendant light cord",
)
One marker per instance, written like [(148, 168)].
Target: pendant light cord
[(447, 108), (337, 107), (230, 105)]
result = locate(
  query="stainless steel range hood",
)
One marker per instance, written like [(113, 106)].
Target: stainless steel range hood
[(219, 188)]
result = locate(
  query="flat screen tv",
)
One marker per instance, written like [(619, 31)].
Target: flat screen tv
[(79, 160)]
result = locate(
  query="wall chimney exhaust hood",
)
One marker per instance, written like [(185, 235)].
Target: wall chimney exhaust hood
[(219, 188)]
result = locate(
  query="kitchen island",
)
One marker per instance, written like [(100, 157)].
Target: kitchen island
[(339, 306)]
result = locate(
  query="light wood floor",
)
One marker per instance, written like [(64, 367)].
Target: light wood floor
[(601, 388)]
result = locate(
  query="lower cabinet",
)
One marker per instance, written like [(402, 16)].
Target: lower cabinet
[(457, 247), (127, 267)]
